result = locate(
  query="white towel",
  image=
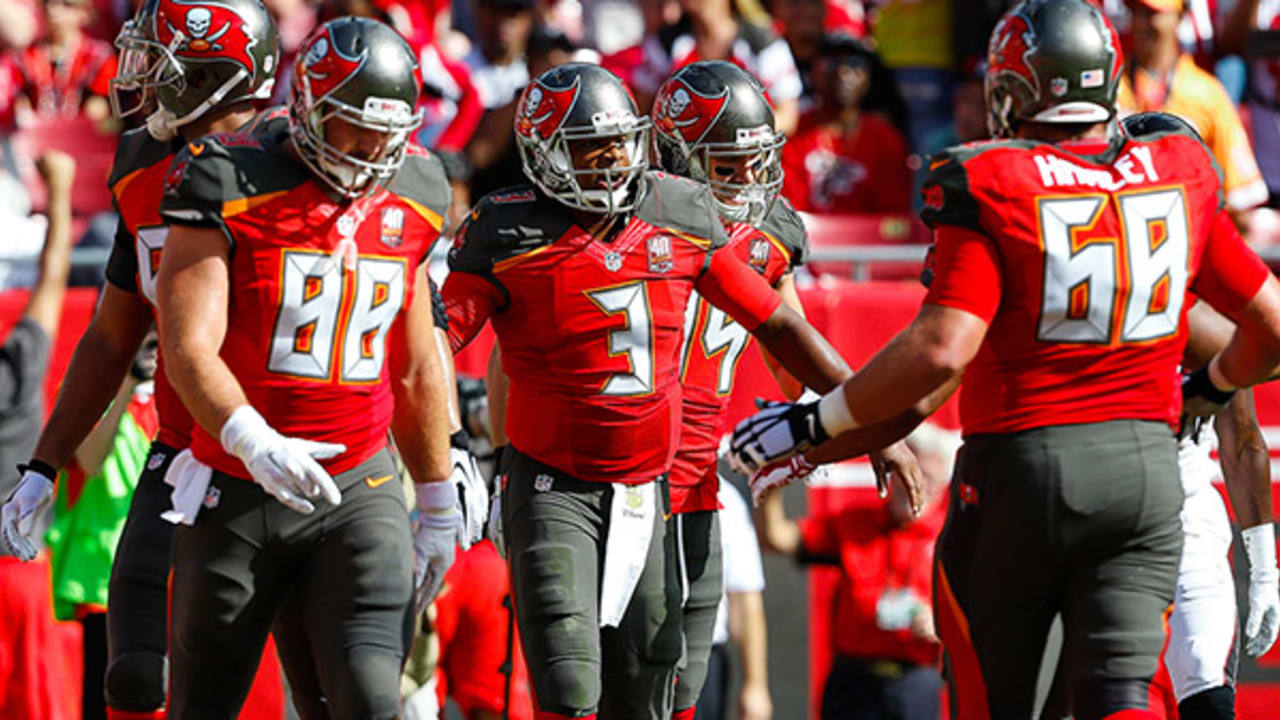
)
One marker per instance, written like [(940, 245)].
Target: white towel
[(626, 548), (190, 481)]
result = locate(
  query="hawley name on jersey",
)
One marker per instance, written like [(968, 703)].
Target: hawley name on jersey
[(1134, 167)]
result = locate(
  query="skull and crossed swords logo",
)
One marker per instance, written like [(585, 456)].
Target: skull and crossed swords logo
[(198, 22)]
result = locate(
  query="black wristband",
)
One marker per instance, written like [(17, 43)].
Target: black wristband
[(1199, 385), (460, 441), (39, 466)]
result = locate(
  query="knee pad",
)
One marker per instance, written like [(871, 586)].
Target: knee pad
[(136, 681), (1217, 703)]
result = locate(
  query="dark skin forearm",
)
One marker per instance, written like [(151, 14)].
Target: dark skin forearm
[(1246, 462), (102, 359), (801, 350)]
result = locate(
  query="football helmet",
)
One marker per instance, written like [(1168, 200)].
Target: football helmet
[(191, 56), (363, 72), (1051, 61), (711, 115), (573, 102)]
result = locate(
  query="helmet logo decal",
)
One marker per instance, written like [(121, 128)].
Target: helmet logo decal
[(685, 111), (206, 31), (325, 65), (1012, 44), (543, 110)]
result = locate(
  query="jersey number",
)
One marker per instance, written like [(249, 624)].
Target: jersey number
[(719, 333), (634, 339), (1086, 294), (148, 243), (308, 333)]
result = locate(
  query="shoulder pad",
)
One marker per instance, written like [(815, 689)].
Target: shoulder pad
[(137, 150), (1153, 125), (787, 227), (504, 224), (272, 120), (422, 182), (947, 199), (682, 205), (215, 169)]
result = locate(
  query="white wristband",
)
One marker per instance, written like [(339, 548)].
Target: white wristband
[(833, 412), (1260, 548), (436, 496), (244, 423)]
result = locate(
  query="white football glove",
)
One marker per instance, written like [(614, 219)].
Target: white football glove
[(781, 474), (777, 432), (18, 518), (1264, 590), (473, 496), (437, 529), (285, 467)]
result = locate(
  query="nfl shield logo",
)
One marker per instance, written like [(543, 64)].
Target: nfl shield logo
[(659, 254), (612, 261), (155, 461), (1058, 86), (392, 226), (542, 483), (211, 497)]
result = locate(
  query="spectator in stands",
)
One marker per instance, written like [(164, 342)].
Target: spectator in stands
[(498, 66), (886, 649), (32, 679), (801, 23), (844, 159), (1160, 76), (740, 618), (88, 517), (1262, 96), (913, 37), (67, 73), (18, 24), (713, 30)]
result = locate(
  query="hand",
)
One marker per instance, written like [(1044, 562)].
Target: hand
[(57, 168), (781, 474), (1264, 589), (32, 497), (777, 432), (285, 467), (473, 496), (437, 527), (1200, 401), (922, 625), (754, 702), (897, 459)]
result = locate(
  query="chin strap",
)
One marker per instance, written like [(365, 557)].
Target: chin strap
[(163, 124)]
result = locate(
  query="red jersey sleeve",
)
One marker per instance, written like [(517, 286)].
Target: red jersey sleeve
[(469, 301), (732, 286), (966, 272), (1230, 273)]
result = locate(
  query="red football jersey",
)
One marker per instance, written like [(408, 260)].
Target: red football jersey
[(137, 184), (307, 322), (590, 331), (713, 344), (1082, 257)]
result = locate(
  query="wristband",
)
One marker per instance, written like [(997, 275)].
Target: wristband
[(460, 441), (39, 466), (436, 496), (1260, 548), (1198, 384), (833, 413)]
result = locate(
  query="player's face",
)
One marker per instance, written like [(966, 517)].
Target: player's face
[(358, 142), (737, 169), (600, 154)]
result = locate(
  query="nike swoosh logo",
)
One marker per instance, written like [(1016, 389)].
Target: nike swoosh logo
[(195, 148), (374, 482)]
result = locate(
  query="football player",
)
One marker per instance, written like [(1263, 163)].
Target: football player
[(585, 276), (1065, 255), (295, 314), (712, 123), (200, 68)]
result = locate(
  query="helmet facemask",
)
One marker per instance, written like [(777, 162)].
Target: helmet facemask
[(349, 175), (760, 150), (550, 163), (144, 65)]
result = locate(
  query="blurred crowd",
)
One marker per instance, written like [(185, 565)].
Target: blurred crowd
[(865, 90)]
